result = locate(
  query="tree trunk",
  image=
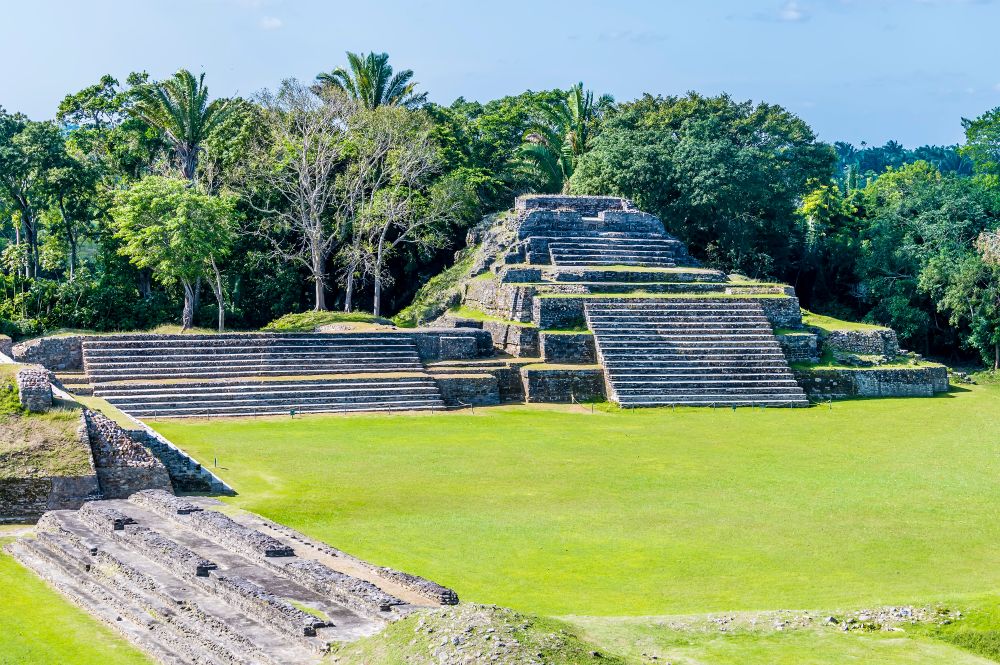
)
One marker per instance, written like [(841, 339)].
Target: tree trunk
[(377, 307), (145, 283), (216, 284), (316, 265), (196, 299), (187, 317), (349, 296), (188, 157), (996, 355)]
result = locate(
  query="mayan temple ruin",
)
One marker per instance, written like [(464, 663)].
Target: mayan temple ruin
[(570, 298)]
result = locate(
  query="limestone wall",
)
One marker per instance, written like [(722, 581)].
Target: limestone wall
[(869, 342), (586, 205), (838, 383), (55, 353), (800, 347), (502, 300), (7, 346), (568, 348), (469, 389), (562, 385), (124, 466), (34, 387)]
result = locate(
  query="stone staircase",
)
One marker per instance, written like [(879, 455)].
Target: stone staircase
[(75, 382), (698, 352), (251, 374), (188, 584), (618, 249)]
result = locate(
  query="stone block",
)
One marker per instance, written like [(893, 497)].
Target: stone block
[(55, 353), (469, 389), (7, 346), (562, 385), (34, 387), (868, 342), (568, 347), (800, 347), (839, 383)]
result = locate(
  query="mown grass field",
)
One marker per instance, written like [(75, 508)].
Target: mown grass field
[(618, 521), (643, 512)]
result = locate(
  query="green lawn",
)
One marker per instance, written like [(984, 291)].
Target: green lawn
[(644, 512), (38, 626)]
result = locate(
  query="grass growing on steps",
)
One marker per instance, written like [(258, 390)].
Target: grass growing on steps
[(439, 293), (828, 323), (309, 321), (37, 625), (464, 312), (655, 511)]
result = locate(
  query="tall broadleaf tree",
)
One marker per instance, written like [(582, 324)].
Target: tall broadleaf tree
[(369, 80), (180, 108), (562, 134)]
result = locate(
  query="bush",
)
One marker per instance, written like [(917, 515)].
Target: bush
[(437, 295), (309, 321)]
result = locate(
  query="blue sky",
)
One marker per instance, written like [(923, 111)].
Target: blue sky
[(857, 70)]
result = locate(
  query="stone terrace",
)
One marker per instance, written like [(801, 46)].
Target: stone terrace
[(190, 584), (258, 374), (593, 299)]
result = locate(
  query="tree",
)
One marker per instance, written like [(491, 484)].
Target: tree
[(371, 83), (562, 134), (393, 195), (296, 161), (28, 150), (179, 107), (97, 106), (726, 177), (982, 142), (179, 233)]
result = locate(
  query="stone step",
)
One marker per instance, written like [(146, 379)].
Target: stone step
[(713, 401), (104, 376), (199, 361), (333, 394), (570, 274), (284, 410)]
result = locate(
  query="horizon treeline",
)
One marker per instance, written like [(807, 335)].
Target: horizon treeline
[(148, 202)]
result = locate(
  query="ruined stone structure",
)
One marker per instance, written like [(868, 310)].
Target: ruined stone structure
[(570, 299), (573, 288), (189, 584), (34, 389)]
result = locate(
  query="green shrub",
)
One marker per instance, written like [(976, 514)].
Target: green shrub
[(437, 295), (309, 321)]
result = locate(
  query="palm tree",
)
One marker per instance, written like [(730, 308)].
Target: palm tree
[(179, 108), (554, 143), (371, 82)]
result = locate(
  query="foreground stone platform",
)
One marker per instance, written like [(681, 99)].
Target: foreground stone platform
[(187, 583)]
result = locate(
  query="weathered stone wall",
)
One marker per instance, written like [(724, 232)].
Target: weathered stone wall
[(870, 342), (568, 348), (563, 385), (585, 205), (55, 353), (26, 499), (838, 383), (800, 347), (568, 312), (450, 343), (468, 389), (7, 346), (34, 387), (124, 466), (504, 301)]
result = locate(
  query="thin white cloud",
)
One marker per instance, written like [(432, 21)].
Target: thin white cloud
[(792, 12), (271, 23)]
